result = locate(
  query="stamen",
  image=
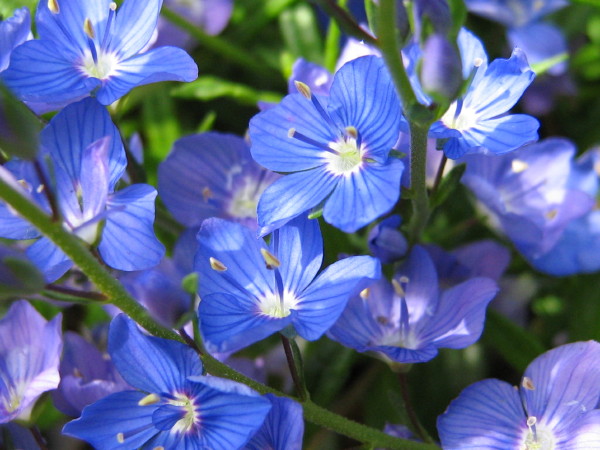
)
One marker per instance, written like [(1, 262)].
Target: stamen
[(292, 133), (53, 6), (217, 265), (531, 421), (527, 383), (364, 294), (89, 31), (111, 15), (551, 214), (354, 134), (303, 89), (149, 399), (207, 193), (271, 260), (120, 438), (518, 166)]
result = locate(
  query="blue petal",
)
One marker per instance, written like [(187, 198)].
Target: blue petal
[(292, 195), (317, 78), (282, 429), (585, 434), (503, 134), (500, 88), (49, 259), (540, 41), (364, 195), (154, 365), (40, 73), (460, 316), (94, 178), (421, 290), (471, 51), (363, 96), (13, 31), (133, 26), (102, 423), (320, 305), (239, 250), (128, 239), (487, 414), (274, 149), (77, 126), (566, 381), (160, 64), (232, 322), (300, 250), (12, 226)]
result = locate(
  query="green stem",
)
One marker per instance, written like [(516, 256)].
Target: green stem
[(345, 21), (418, 180), (218, 45), (332, 43), (297, 376), (116, 294), (418, 428)]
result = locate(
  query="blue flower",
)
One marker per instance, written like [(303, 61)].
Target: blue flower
[(30, 350), (86, 159), (250, 290), (176, 406), (212, 175), (336, 149), (477, 122), (283, 428), (88, 47), (13, 32), (554, 407), (409, 319)]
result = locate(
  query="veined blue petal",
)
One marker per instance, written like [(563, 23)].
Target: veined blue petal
[(283, 427), (567, 385), (585, 434), (317, 78), (363, 96), (300, 250), (503, 134), (540, 41), (293, 195), (133, 26), (77, 126), (238, 249), (12, 226), (39, 72), (128, 239), (232, 322), (154, 365), (13, 31), (487, 414), (364, 195), (500, 88), (161, 64), (94, 178), (471, 53), (65, 29), (421, 283), (460, 316), (273, 148), (321, 304), (115, 422), (49, 259)]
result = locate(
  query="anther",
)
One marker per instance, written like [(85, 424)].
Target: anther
[(217, 265), (271, 260), (352, 132), (518, 166), (364, 294), (89, 29), (149, 399), (303, 89), (111, 15), (551, 214), (120, 438), (40, 189), (477, 62), (53, 6), (207, 193), (527, 383), (398, 288)]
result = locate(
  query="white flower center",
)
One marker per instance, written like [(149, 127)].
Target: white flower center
[(104, 68), (190, 418), (347, 159), (276, 307), (244, 201), (466, 119)]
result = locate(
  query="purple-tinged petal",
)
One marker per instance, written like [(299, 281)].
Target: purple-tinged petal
[(40, 73), (540, 42), (320, 305), (273, 148), (585, 434), (421, 289), (160, 64), (460, 316), (283, 427), (487, 414), (128, 239), (472, 53), (317, 78), (301, 244), (133, 26), (148, 363), (115, 422), (386, 241), (363, 96), (13, 31), (503, 134), (231, 323), (293, 195), (94, 178), (364, 195), (49, 258)]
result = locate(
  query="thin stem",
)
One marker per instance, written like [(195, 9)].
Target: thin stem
[(439, 174), (410, 411), (68, 292), (289, 354), (418, 180), (48, 192), (218, 45), (345, 21), (39, 439), (189, 341), (332, 43)]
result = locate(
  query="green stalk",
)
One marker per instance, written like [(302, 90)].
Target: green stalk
[(418, 180), (116, 294)]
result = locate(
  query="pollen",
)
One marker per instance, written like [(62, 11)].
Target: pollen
[(346, 157), (89, 29), (217, 265), (120, 438), (518, 166), (207, 194), (303, 89), (149, 399), (53, 6), (271, 260)]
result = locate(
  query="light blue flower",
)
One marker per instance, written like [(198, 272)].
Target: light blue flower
[(13, 32), (91, 47)]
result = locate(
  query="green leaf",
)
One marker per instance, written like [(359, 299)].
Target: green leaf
[(543, 66), (458, 12), (190, 283), (26, 279), (209, 88), (301, 34), (20, 127), (447, 185), (516, 345), (7, 7)]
